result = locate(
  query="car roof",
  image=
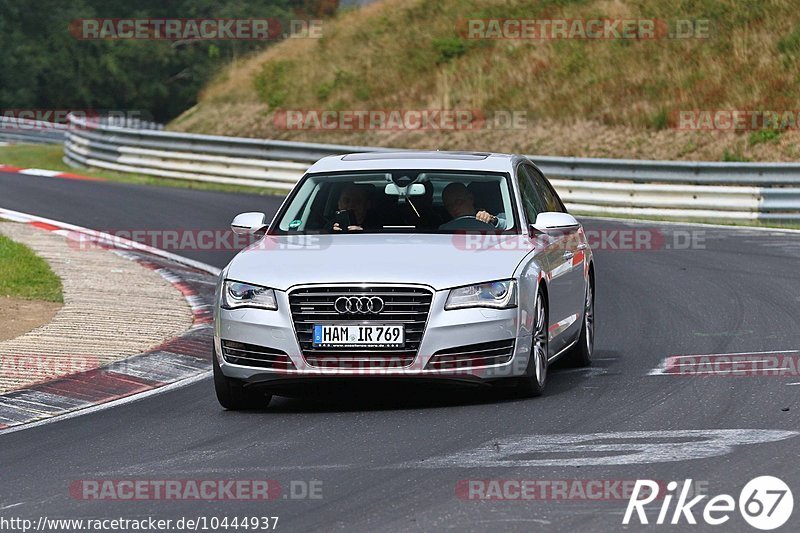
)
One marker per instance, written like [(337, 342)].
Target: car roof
[(422, 160)]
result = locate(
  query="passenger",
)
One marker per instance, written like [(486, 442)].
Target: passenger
[(460, 204)]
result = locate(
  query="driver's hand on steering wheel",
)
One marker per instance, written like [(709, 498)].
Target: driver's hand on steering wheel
[(486, 217)]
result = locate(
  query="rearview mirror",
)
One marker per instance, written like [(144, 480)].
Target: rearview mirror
[(414, 189), (248, 223), (552, 222)]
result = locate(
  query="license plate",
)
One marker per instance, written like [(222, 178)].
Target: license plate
[(358, 336)]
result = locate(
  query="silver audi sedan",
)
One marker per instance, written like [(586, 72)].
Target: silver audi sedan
[(454, 267)]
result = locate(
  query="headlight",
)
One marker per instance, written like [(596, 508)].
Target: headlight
[(236, 294), (496, 294)]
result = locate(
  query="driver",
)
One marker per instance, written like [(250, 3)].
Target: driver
[(460, 204), (355, 198)]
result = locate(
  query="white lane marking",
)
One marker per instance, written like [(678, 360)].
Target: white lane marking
[(18, 216), (10, 506), (179, 470), (723, 372), (40, 172), (590, 372), (41, 403), (797, 383), (534, 520), (603, 449), (109, 405), (660, 370)]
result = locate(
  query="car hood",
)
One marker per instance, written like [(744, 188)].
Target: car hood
[(440, 261)]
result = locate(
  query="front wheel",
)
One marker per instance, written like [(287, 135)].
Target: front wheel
[(581, 354), (232, 395), (532, 384)]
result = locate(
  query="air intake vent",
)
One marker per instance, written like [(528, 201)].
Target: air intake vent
[(473, 355), (238, 353)]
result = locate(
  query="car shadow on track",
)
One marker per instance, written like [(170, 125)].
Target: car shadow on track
[(392, 395)]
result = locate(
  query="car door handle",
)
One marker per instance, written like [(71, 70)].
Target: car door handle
[(568, 255)]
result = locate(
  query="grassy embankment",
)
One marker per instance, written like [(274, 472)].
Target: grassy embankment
[(591, 98)]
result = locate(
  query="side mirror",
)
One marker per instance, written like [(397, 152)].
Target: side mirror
[(553, 222), (248, 223)]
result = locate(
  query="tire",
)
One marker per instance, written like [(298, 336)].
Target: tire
[(580, 355), (232, 395), (533, 383)]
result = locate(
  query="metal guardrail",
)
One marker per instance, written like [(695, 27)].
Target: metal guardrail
[(669, 189), (20, 130)]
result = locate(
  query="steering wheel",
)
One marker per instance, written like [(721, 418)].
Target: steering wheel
[(473, 217)]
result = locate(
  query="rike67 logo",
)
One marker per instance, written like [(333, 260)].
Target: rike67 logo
[(765, 503)]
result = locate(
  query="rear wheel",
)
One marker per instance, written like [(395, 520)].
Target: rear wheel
[(532, 384), (581, 353), (232, 395)]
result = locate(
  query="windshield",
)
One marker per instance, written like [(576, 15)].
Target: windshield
[(399, 201)]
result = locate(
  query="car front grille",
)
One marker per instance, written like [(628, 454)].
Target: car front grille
[(238, 353), (473, 355), (407, 305)]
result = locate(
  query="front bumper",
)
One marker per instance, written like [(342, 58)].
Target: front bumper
[(444, 330)]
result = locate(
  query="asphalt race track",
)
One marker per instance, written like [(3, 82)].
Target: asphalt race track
[(398, 458)]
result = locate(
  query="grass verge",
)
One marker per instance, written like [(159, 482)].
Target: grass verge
[(610, 97), (23, 274), (49, 157)]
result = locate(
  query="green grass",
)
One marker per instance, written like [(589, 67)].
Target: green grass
[(734, 156), (48, 157), (399, 52), (24, 274), (762, 136)]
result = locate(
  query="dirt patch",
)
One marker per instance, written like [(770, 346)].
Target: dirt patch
[(19, 316)]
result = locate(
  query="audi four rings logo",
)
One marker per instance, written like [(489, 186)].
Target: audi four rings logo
[(358, 304)]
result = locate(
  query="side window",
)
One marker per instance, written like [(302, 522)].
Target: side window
[(532, 203), (551, 200)]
